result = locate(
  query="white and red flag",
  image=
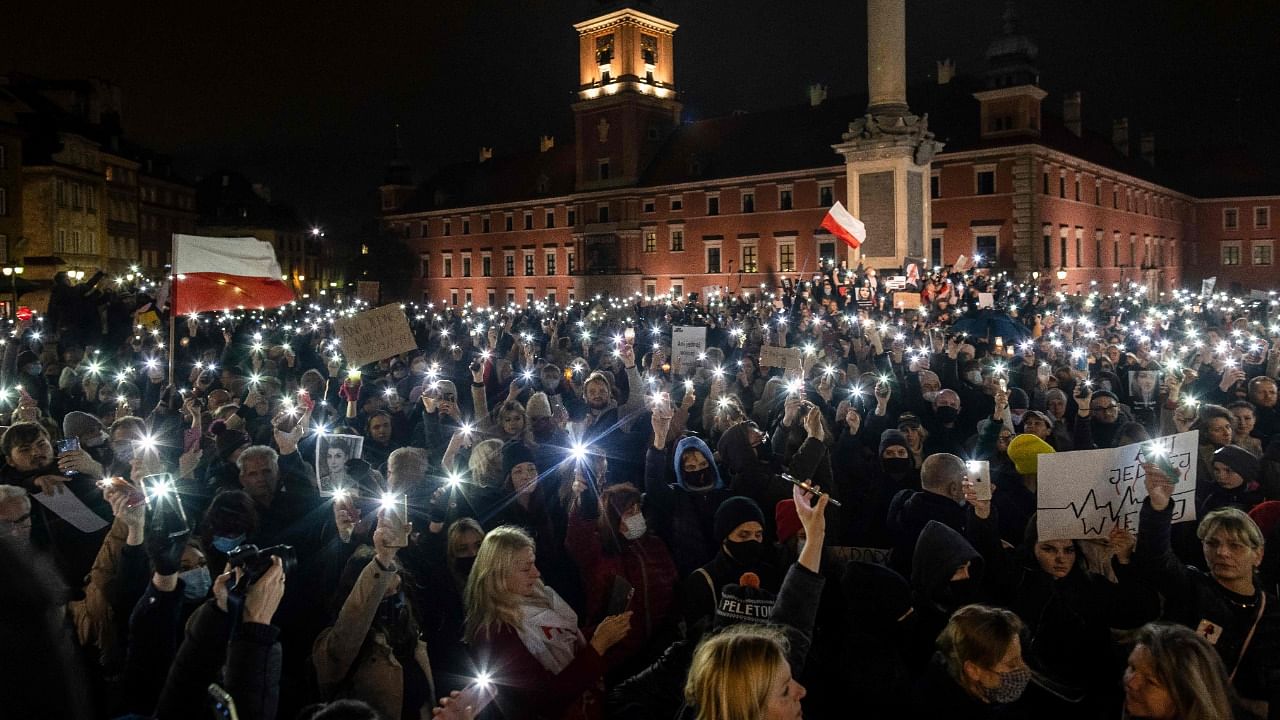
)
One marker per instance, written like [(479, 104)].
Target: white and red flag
[(216, 273), (842, 224)]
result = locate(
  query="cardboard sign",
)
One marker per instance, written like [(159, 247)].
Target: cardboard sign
[(906, 300), (986, 300), (1083, 494), (778, 357), (687, 343), (373, 335)]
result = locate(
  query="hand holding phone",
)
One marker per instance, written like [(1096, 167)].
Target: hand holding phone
[(979, 475)]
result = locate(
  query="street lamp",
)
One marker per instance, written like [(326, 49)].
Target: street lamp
[(12, 272), (1062, 273)]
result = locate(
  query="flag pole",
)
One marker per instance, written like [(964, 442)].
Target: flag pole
[(173, 304)]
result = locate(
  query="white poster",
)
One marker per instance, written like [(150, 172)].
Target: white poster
[(986, 300), (687, 343), (1208, 284), (1083, 494)]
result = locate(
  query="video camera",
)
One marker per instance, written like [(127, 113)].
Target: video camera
[(254, 562)]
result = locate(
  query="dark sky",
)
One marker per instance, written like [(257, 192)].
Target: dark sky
[(303, 95)]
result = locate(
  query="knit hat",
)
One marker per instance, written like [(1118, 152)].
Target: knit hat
[(79, 424), (1267, 516), (1018, 399), (513, 454), (25, 358), (889, 438), (907, 419), (744, 602), (787, 519), (1023, 451), (732, 513), (1238, 459), (1036, 413), (226, 440), (539, 406)]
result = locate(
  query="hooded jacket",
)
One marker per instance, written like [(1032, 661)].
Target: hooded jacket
[(909, 513), (939, 553), (684, 518)]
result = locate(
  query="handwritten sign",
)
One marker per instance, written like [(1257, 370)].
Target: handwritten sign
[(906, 300), (1083, 494), (844, 554), (986, 300), (687, 343), (778, 357), (373, 335)]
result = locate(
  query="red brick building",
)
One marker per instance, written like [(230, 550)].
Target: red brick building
[(639, 202)]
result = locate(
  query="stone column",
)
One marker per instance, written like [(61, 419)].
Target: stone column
[(887, 57)]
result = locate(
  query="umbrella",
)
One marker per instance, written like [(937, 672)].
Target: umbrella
[(993, 324)]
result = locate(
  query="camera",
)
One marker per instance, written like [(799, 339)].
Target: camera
[(255, 561)]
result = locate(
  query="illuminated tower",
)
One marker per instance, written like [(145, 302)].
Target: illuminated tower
[(626, 95)]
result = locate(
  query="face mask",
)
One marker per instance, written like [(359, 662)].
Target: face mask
[(633, 528), (35, 369), (196, 583), (224, 544), (1012, 685), (1017, 416), (896, 466), (974, 376), (946, 413), (698, 480), (122, 452), (463, 565), (929, 396), (747, 552), (96, 441)]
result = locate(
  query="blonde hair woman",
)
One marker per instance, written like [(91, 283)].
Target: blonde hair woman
[(743, 674), (1175, 674), (526, 637)]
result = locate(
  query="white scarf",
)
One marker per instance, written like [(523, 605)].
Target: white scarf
[(549, 629)]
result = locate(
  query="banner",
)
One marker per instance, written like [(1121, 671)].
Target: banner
[(778, 357), (373, 335), (687, 344), (1083, 494)]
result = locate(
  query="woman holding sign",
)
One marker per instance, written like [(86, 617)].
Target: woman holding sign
[(1225, 605)]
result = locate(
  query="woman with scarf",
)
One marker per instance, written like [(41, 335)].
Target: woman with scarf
[(525, 637), (373, 651)]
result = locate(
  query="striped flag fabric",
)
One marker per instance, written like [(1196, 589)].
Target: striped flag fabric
[(844, 225), (217, 273)]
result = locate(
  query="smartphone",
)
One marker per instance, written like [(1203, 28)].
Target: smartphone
[(224, 706), (477, 695), (980, 475), (1082, 362), (810, 490), (1158, 456), (161, 492), (620, 594), (304, 399), (629, 335), (136, 497), (66, 446)]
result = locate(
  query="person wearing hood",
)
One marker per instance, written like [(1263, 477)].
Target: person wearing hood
[(93, 437), (1235, 474), (747, 454), (941, 499), (739, 525), (684, 511), (1068, 611), (867, 495), (947, 431), (550, 440), (946, 572)]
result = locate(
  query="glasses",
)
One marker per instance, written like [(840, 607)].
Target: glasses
[(1105, 409)]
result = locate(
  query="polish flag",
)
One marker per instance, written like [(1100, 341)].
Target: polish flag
[(215, 273), (845, 226)]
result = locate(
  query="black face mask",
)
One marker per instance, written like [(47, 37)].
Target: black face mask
[(463, 565), (747, 552), (946, 414), (896, 466), (698, 480)]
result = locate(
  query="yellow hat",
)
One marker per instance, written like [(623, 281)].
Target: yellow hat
[(1023, 451)]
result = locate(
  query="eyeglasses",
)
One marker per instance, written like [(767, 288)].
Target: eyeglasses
[(1105, 409)]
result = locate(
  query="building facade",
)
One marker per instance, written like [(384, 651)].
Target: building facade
[(637, 201), (166, 206)]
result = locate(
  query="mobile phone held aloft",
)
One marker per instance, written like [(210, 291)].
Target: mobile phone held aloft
[(979, 472), (65, 446), (810, 490)]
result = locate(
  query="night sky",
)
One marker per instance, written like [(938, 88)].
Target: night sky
[(303, 95)]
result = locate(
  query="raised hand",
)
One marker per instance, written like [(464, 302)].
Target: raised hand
[(1122, 542), (813, 424), (1159, 487)]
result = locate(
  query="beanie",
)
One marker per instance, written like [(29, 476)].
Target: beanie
[(787, 519), (1267, 516), (1036, 413), (733, 512), (889, 438), (539, 406), (745, 602), (1239, 460), (1018, 399), (79, 424), (513, 454), (1023, 451)]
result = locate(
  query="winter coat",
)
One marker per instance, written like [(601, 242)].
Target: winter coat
[(354, 660), (938, 696), (939, 552), (909, 512), (528, 690), (72, 551), (684, 518)]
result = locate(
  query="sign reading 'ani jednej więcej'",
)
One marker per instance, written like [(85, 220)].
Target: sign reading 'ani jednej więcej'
[(1083, 494), (373, 335)]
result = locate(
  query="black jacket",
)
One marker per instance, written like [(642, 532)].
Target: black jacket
[(909, 512)]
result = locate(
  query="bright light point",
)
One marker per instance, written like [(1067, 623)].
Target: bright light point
[(578, 451), (388, 501)]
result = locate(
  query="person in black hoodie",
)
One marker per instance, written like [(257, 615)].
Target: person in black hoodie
[(1235, 473), (945, 575), (940, 499)]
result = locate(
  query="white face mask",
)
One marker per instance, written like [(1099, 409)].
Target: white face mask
[(1017, 416), (974, 376), (633, 528)]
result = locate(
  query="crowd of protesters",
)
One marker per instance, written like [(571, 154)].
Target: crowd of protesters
[(551, 512)]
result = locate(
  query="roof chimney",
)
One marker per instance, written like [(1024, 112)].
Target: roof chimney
[(1120, 135), (1071, 113), (486, 153), (817, 94), (946, 71), (1147, 147), (546, 142)]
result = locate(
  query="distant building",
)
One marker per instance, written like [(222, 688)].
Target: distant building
[(637, 201)]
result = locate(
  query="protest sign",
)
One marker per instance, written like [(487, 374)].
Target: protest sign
[(373, 335), (778, 357), (1083, 494), (986, 300), (687, 343), (1208, 285), (332, 453), (906, 300)]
